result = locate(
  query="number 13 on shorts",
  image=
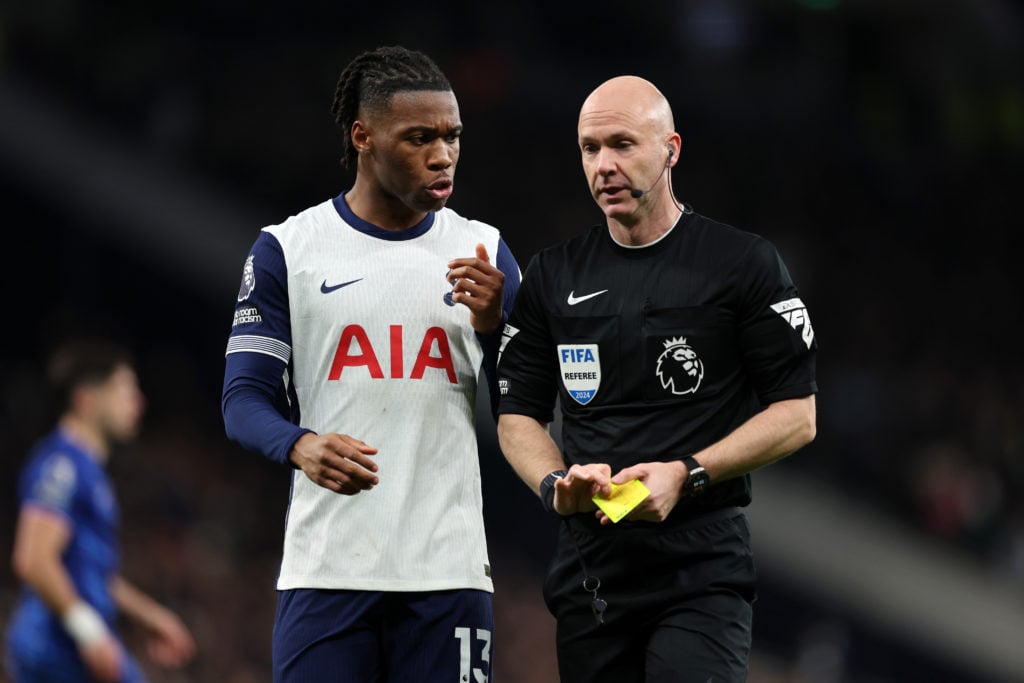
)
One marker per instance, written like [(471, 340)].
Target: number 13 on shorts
[(467, 646)]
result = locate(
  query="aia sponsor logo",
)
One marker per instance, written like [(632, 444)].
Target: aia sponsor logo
[(355, 350)]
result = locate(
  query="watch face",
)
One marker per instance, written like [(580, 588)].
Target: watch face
[(698, 481)]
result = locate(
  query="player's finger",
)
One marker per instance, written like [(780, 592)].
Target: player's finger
[(357, 475), (344, 471), (482, 273), (363, 460), (485, 292), (473, 267), (345, 485), (361, 446), (350, 490), (344, 448)]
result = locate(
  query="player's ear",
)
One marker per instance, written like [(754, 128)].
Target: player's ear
[(360, 136)]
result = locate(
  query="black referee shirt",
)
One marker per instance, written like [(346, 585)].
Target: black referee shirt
[(658, 351)]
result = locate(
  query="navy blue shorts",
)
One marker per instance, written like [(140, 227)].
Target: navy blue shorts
[(342, 636)]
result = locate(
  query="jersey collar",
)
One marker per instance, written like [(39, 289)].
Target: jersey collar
[(367, 228), (649, 244)]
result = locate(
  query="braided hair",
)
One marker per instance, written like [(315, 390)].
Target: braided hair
[(372, 78)]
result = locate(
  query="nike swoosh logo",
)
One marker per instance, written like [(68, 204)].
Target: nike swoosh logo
[(573, 300), (327, 290)]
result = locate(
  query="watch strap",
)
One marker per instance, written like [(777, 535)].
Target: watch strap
[(547, 489), (697, 478)]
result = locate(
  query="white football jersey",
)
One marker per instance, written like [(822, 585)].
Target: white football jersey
[(376, 350)]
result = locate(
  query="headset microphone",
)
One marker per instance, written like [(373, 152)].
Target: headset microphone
[(637, 194)]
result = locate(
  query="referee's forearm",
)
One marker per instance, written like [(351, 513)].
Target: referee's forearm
[(770, 435), (529, 448)]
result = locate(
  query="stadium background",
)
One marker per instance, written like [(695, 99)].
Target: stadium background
[(879, 144)]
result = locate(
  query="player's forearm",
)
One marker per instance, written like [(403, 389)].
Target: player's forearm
[(251, 418), (171, 643), (770, 435), (529, 448), (133, 602), (39, 542), (254, 424), (50, 581)]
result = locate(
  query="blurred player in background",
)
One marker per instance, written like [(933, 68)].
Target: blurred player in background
[(359, 333), (683, 358), (66, 547)]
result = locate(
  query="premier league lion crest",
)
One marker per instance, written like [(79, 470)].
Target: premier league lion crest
[(679, 367), (248, 280)]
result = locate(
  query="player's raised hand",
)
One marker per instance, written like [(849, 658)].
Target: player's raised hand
[(337, 462), (478, 285)]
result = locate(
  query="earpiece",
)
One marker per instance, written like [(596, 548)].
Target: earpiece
[(636, 194)]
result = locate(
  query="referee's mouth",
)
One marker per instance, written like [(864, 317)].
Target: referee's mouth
[(613, 190)]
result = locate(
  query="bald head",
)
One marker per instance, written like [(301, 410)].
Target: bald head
[(631, 100)]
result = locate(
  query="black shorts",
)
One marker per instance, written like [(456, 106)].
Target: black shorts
[(679, 601)]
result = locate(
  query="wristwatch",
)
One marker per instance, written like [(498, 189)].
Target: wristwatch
[(697, 479), (547, 489)]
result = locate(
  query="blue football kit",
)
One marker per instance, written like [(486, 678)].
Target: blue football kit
[(61, 479)]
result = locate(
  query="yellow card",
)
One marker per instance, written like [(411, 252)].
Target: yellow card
[(624, 498)]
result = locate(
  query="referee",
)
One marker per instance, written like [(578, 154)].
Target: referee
[(682, 356)]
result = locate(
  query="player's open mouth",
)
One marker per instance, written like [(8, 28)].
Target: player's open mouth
[(440, 189)]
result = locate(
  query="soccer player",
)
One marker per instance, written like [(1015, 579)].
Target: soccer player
[(683, 358), (66, 549), (359, 334)]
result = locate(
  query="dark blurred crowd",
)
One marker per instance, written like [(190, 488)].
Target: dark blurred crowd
[(879, 145)]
